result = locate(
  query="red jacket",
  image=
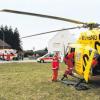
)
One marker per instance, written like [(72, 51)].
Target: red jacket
[(70, 60), (55, 62), (70, 56)]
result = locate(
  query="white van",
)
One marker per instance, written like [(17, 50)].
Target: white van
[(48, 58)]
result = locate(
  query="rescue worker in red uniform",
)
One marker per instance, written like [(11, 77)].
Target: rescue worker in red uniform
[(95, 64), (55, 66), (70, 64)]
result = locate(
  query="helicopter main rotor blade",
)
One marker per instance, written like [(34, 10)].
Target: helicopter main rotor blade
[(41, 15), (52, 31)]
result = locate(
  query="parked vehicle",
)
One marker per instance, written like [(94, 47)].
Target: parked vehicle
[(7, 54), (48, 58)]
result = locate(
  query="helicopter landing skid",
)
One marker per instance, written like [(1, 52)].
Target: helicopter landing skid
[(81, 86), (78, 85)]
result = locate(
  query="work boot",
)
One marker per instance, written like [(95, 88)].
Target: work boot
[(54, 80), (64, 77)]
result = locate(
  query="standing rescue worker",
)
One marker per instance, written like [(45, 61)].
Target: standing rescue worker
[(55, 66), (70, 64)]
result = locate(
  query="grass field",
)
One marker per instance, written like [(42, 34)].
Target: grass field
[(32, 81)]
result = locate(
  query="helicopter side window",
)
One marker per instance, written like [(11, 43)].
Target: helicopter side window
[(72, 50)]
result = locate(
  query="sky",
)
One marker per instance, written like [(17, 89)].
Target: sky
[(82, 10)]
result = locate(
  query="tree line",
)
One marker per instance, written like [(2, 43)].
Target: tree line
[(11, 37)]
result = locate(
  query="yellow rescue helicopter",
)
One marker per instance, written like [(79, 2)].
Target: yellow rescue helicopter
[(86, 47)]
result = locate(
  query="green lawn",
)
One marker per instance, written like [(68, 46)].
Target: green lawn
[(32, 81)]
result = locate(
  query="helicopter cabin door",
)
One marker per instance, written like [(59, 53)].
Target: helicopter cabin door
[(83, 61), (88, 56)]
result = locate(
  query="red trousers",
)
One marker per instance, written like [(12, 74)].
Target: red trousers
[(55, 74), (70, 67), (68, 71)]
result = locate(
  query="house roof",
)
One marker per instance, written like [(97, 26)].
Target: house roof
[(4, 44)]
